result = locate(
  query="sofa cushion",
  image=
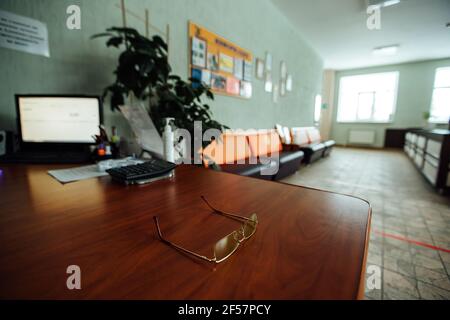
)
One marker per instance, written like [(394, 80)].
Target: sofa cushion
[(264, 143), (329, 143), (280, 131), (315, 147), (313, 135), (287, 135), (230, 148), (299, 136)]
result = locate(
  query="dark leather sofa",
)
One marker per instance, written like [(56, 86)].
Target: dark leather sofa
[(308, 140), (258, 155)]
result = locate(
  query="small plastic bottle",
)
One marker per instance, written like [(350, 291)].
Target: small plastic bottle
[(168, 137)]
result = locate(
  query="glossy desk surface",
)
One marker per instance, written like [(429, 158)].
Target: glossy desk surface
[(309, 244)]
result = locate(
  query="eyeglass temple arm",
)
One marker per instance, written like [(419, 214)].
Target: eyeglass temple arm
[(177, 246), (222, 212)]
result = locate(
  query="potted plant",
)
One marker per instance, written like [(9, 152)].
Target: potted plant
[(144, 72)]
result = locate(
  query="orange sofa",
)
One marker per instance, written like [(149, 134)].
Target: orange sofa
[(258, 154)]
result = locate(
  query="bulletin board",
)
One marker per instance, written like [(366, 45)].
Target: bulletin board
[(220, 64)]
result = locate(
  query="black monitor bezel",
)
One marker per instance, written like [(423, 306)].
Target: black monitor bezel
[(52, 145)]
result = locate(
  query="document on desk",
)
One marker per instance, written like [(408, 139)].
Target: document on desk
[(144, 129), (76, 174)]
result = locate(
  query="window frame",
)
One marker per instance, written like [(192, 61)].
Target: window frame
[(394, 109), (432, 97)]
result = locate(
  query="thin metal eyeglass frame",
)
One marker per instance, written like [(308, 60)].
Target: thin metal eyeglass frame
[(235, 233)]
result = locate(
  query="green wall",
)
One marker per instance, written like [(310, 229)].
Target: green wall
[(81, 65), (415, 89)]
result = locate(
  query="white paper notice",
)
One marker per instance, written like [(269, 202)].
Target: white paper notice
[(145, 131), (76, 174), (23, 34)]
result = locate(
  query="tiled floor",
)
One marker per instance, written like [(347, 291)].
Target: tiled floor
[(404, 205)]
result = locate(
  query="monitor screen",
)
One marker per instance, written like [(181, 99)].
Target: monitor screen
[(59, 119)]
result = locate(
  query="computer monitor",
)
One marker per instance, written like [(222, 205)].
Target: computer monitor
[(51, 119)]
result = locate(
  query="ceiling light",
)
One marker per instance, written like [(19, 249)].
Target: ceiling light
[(383, 3), (385, 51)]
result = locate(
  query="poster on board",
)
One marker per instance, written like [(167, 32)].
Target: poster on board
[(233, 86), (239, 68), (206, 77), (213, 62), (218, 82), (197, 75), (198, 52), (23, 34), (226, 63), (248, 69)]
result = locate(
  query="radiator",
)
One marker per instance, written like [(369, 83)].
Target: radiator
[(361, 137)]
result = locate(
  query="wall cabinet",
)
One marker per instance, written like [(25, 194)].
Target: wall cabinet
[(429, 151)]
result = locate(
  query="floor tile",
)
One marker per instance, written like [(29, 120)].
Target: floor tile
[(433, 254), (429, 263), (432, 293), (447, 267), (374, 258), (393, 294), (395, 251), (398, 265), (398, 286), (374, 294), (445, 256), (419, 234), (436, 279)]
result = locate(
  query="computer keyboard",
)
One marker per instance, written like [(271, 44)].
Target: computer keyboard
[(143, 172)]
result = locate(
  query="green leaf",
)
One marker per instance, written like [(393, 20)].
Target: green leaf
[(114, 41), (127, 31), (99, 35), (160, 42), (210, 95), (174, 77)]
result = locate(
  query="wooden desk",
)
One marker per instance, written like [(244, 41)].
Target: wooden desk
[(309, 244)]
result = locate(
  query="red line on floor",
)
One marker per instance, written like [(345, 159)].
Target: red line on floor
[(401, 238)]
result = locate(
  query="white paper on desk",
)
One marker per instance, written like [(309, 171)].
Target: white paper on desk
[(76, 174), (145, 131)]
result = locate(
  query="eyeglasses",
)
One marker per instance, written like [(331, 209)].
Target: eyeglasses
[(226, 246)]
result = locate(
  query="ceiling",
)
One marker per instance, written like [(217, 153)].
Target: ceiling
[(337, 30)]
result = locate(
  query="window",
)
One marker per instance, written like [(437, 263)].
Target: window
[(368, 98), (317, 108), (440, 103)]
